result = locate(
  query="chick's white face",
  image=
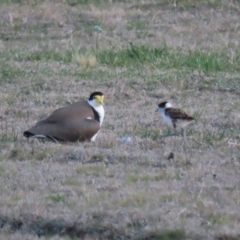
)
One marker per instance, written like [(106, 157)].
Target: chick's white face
[(162, 106), (168, 105)]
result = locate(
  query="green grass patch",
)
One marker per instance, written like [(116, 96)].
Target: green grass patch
[(19, 154), (221, 84), (133, 178), (166, 58), (9, 73), (134, 56), (93, 73), (73, 182), (44, 54), (57, 197), (181, 5), (2, 170), (149, 133), (174, 234), (95, 2), (218, 220), (139, 200), (169, 196), (97, 157), (227, 236), (96, 170), (8, 137), (212, 137), (185, 5), (20, 1), (137, 23)]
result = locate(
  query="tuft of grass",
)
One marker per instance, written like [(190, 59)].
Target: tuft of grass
[(149, 178), (136, 24), (226, 236), (94, 2), (21, 2), (86, 60), (44, 54), (169, 196), (8, 73), (149, 133), (57, 197), (9, 136), (96, 158), (17, 153), (139, 200), (96, 170), (211, 137), (185, 5), (174, 234), (217, 219), (180, 5), (2, 170)]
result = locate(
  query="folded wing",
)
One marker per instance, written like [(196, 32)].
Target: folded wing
[(71, 123)]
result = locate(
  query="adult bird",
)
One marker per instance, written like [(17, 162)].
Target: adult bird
[(79, 121)]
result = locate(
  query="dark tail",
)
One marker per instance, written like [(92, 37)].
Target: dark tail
[(190, 118), (27, 134)]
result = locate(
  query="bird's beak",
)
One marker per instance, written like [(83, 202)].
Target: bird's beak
[(99, 99)]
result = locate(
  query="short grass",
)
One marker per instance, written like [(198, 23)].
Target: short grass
[(138, 53)]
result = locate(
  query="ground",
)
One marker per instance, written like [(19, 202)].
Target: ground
[(137, 53)]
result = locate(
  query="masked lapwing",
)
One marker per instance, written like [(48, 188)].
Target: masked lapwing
[(174, 117), (79, 121)]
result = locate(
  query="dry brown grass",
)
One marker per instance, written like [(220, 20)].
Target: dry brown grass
[(109, 189)]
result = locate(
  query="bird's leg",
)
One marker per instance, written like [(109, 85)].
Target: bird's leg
[(183, 133), (170, 134), (175, 131), (167, 135), (184, 146)]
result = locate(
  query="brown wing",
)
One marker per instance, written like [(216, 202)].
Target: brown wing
[(71, 131), (176, 113), (79, 110), (69, 123)]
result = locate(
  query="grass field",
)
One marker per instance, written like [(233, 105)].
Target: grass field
[(137, 53)]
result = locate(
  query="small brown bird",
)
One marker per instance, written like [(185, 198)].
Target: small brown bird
[(79, 121), (174, 117)]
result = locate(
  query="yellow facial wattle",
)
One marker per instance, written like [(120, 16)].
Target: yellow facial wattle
[(99, 99)]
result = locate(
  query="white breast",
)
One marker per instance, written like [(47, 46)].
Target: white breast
[(101, 112), (165, 117), (99, 109)]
